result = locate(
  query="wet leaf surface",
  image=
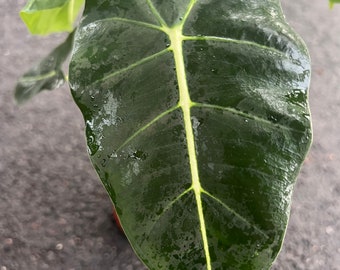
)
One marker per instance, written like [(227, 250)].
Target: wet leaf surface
[(197, 123)]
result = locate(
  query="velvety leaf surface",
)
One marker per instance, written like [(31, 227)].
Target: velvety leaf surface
[(46, 75), (44, 17), (197, 123)]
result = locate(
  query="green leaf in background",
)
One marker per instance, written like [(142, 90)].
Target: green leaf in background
[(46, 75), (332, 2), (43, 17), (197, 123)]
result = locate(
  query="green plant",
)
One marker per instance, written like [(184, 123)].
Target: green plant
[(332, 2), (197, 122)]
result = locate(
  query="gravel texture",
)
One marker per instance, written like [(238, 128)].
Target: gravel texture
[(55, 214)]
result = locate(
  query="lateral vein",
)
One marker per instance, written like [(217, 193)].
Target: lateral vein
[(232, 211), (146, 126), (130, 21), (134, 65), (244, 115), (156, 13), (232, 40), (190, 7), (168, 207)]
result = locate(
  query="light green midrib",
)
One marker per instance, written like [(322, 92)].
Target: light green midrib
[(185, 103), (29, 79), (70, 10)]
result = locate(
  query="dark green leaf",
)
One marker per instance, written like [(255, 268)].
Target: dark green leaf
[(46, 75), (49, 16), (197, 123)]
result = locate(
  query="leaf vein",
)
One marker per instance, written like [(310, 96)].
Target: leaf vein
[(232, 211), (244, 115), (136, 133), (132, 66), (156, 13), (168, 207), (248, 169), (190, 7), (185, 103), (139, 23), (237, 41)]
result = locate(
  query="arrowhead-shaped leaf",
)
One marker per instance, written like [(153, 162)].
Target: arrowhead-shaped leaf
[(197, 123), (49, 16), (46, 75)]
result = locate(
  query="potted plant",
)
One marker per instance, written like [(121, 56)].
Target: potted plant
[(197, 120)]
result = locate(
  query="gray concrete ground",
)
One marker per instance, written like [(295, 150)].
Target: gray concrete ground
[(54, 213)]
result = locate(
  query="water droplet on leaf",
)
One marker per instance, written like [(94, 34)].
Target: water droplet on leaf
[(139, 155)]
